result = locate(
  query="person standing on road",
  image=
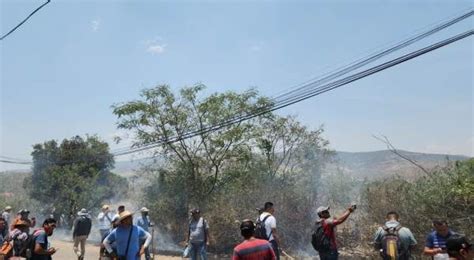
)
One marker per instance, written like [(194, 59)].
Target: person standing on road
[(105, 221), (81, 230), (198, 236), (144, 222), (41, 249), (127, 238), (269, 221)]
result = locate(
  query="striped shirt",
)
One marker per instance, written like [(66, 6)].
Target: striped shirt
[(254, 249), (435, 240)]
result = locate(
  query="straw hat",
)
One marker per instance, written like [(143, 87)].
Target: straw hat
[(124, 215), (19, 222)]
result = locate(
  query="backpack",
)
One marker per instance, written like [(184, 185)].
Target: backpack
[(27, 247), (391, 243), (260, 230), (320, 241)]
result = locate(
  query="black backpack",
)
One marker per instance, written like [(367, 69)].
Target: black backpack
[(260, 230), (391, 248), (319, 240)]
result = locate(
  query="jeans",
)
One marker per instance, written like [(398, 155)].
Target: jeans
[(330, 255), (276, 249), (198, 248)]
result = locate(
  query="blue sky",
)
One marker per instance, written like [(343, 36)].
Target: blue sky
[(67, 65)]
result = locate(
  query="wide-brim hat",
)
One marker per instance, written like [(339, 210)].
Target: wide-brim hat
[(195, 211), (20, 223), (124, 215), (8, 208), (105, 206), (144, 209)]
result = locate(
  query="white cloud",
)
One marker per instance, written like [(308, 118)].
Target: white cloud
[(155, 46), (95, 25)]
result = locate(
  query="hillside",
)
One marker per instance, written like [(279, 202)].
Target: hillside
[(359, 164), (385, 163)]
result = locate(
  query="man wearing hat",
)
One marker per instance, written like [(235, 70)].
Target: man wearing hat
[(81, 230), (329, 227), (252, 248), (143, 221), (105, 221), (20, 235), (198, 235), (459, 248), (6, 213), (24, 215), (127, 238)]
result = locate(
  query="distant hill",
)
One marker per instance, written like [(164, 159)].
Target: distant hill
[(359, 164), (384, 163)]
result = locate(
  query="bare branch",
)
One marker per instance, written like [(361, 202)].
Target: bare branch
[(392, 149)]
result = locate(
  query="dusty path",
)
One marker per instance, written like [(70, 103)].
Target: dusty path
[(65, 252)]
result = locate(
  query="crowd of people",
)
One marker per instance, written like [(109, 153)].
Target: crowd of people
[(126, 238)]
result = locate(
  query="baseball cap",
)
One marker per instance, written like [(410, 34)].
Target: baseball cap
[(321, 209)]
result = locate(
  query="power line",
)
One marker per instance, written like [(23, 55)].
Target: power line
[(296, 99), (308, 87), (317, 91), (22, 22)]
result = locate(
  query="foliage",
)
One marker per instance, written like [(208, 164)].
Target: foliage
[(73, 175), (228, 172), (446, 193)]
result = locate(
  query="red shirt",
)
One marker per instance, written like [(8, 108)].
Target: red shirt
[(254, 249), (329, 227)]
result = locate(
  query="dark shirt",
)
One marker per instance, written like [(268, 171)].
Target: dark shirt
[(82, 226)]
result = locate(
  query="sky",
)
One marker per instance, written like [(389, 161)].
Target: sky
[(61, 72)]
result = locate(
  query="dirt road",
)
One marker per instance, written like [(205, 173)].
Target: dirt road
[(65, 252)]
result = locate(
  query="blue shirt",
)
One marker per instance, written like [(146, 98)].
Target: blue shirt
[(40, 238), (143, 222), (435, 240), (120, 237)]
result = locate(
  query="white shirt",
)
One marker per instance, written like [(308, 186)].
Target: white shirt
[(104, 222), (270, 223)]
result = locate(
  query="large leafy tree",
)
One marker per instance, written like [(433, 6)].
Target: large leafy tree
[(72, 175), (162, 116)]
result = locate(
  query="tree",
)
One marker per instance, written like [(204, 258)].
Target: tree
[(73, 175), (227, 172), (161, 116)]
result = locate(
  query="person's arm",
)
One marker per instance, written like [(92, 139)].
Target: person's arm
[(429, 247), (39, 250), (89, 226), (206, 227), (74, 228), (432, 251), (272, 223), (107, 243), (413, 241), (343, 217), (147, 236), (378, 239)]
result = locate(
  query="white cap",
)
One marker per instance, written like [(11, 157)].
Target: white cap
[(144, 209), (321, 209)]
